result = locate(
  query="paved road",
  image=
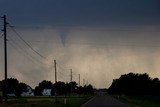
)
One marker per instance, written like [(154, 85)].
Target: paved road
[(102, 100)]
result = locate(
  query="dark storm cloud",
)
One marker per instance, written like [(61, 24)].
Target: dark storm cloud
[(83, 12)]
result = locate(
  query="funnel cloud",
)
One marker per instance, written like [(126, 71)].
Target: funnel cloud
[(63, 36)]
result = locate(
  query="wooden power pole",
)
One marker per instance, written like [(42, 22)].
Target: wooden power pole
[(5, 56), (71, 80), (55, 66), (79, 80)]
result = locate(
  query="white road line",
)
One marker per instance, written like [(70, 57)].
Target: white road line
[(88, 102)]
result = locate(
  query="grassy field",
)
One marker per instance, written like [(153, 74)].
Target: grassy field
[(73, 101), (140, 101)]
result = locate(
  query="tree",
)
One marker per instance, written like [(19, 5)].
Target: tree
[(80, 90), (60, 88), (22, 87), (11, 85), (14, 87), (135, 84), (37, 91), (89, 89), (42, 85)]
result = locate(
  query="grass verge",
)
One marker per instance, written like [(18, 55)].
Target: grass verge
[(140, 101), (72, 101)]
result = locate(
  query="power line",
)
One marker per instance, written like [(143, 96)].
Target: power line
[(25, 51), (59, 64), (21, 50), (63, 69), (62, 74), (1, 35), (18, 35), (31, 58), (27, 44), (11, 40)]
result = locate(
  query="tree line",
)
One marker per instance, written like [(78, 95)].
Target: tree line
[(135, 84), (60, 88), (13, 86)]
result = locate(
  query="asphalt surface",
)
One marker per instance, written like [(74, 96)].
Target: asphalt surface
[(103, 100)]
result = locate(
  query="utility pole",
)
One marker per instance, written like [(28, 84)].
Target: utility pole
[(79, 79), (71, 74), (55, 66), (87, 83), (83, 82), (71, 80), (5, 56)]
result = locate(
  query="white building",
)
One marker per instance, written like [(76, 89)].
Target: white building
[(11, 95), (46, 92), (29, 92)]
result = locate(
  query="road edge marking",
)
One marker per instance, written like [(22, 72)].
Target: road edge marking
[(83, 105)]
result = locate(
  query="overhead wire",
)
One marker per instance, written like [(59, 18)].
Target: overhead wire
[(68, 75), (61, 68), (63, 75), (25, 42), (20, 47), (63, 72), (1, 35), (31, 58), (25, 53), (28, 45)]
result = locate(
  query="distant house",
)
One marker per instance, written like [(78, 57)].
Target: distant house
[(11, 95), (29, 92), (46, 92)]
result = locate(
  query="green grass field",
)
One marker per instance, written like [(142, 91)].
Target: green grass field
[(140, 101), (73, 101)]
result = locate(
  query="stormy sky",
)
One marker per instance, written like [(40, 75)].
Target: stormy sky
[(99, 39)]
